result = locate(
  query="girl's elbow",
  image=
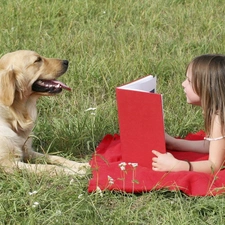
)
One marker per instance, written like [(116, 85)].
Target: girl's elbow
[(215, 167)]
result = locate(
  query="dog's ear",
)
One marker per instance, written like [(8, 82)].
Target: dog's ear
[(7, 86)]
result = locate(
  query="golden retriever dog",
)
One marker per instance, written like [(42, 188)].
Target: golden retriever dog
[(24, 77)]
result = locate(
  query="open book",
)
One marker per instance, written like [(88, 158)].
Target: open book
[(141, 122)]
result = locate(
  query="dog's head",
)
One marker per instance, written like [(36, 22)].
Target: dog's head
[(24, 73)]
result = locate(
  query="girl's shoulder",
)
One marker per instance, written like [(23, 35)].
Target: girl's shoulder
[(217, 130)]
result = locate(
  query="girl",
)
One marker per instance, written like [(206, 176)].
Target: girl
[(204, 86)]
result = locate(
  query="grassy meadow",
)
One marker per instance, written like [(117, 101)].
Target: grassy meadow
[(108, 43)]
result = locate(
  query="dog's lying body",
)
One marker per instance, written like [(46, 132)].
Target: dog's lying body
[(24, 77)]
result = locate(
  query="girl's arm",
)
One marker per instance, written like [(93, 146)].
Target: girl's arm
[(172, 143), (166, 162), (216, 149)]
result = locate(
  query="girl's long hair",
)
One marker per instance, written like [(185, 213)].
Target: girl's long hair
[(208, 82)]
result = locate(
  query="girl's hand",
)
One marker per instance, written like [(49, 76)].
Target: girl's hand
[(163, 162)]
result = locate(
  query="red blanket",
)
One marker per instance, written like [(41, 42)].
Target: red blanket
[(109, 173)]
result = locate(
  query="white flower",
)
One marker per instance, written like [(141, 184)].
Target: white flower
[(58, 213), (99, 191), (33, 193), (35, 204), (133, 164), (122, 166), (80, 196), (90, 109), (111, 180), (71, 181)]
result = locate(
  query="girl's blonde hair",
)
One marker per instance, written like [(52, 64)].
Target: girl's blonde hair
[(208, 82)]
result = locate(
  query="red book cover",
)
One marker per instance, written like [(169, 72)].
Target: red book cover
[(141, 122)]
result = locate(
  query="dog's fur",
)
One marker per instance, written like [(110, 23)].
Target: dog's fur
[(24, 77)]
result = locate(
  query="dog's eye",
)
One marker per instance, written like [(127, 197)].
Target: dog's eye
[(39, 59)]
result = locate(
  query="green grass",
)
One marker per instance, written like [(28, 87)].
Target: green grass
[(108, 43)]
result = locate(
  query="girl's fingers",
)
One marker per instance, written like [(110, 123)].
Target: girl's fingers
[(154, 165), (154, 159), (156, 153)]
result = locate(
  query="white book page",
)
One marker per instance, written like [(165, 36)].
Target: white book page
[(146, 84)]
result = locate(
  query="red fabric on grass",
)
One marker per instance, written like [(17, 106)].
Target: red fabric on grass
[(108, 175)]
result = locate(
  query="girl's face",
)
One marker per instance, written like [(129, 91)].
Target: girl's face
[(192, 97)]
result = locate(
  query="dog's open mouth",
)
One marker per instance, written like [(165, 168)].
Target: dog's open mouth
[(50, 86)]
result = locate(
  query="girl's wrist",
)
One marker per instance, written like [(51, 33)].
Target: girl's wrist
[(184, 165), (189, 164)]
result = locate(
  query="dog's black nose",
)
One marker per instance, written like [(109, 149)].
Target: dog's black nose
[(65, 63)]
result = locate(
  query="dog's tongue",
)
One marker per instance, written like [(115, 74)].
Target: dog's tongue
[(62, 85)]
